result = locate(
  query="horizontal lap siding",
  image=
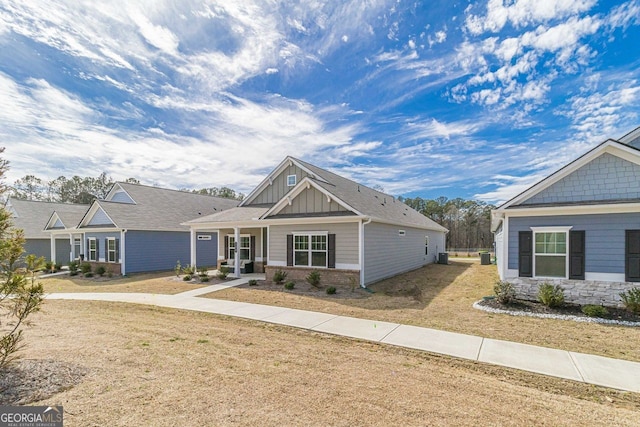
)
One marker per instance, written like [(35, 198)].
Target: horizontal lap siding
[(156, 250), (386, 253), (604, 237), (256, 232), (100, 218), (38, 247), (346, 240), (207, 250), (63, 251), (102, 245)]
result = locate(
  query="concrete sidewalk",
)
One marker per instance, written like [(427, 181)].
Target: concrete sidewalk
[(587, 368)]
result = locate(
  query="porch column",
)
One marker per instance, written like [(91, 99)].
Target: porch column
[(71, 254), (123, 255), (236, 231), (193, 249), (53, 248)]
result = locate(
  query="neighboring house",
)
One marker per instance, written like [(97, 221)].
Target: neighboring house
[(137, 228), (32, 216), (579, 227), (303, 218)]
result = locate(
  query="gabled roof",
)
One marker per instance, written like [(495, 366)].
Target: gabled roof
[(157, 209), (68, 216), (32, 216)]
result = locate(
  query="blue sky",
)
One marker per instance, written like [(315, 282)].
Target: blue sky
[(461, 99)]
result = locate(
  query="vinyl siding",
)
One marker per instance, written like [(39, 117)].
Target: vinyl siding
[(207, 250), (311, 201), (605, 178), (278, 188), (604, 235), (100, 218), (251, 231), (156, 250), (346, 240), (387, 254), (38, 247), (121, 197), (102, 245), (63, 251)]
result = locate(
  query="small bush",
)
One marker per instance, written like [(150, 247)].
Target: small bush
[(631, 300), (505, 293), (178, 268), (289, 286), (109, 273), (85, 268), (48, 266), (331, 290), (188, 270), (186, 277), (88, 274), (223, 272), (57, 267), (313, 278), (100, 270), (73, 268), (551, 296), (595, 310), (253, 282), (279, 276)]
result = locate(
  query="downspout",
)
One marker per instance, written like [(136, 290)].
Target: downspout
[(361, 237), (123, 267)]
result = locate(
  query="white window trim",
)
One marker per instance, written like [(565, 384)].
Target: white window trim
[(109, 251), (325, 234), (233, 236), (562, 229), (295, 180), (95, 250)]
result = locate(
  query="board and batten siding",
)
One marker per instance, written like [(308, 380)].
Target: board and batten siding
[(604, 237), (387, 253), (156, 250), (347, 250), (278, 188), (311, 201)]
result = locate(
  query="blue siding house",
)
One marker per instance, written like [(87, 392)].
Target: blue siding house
[(137, 228), (579, 227)]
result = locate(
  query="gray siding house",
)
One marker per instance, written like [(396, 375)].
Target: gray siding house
[(302, 218), (579, 227), (32, 217), (137, 228)]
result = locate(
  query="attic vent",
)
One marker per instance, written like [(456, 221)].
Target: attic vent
[(401, 233), (358, 188)]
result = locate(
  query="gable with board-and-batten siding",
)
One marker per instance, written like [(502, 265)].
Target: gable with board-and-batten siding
[(277, 188), (310, 201)]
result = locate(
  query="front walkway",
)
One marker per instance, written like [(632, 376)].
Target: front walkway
[(587, 368)]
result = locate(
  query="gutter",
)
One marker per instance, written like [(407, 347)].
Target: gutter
[(361, 237)]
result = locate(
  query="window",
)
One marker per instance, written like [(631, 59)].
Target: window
[(111, 250), (244, 247), (310, 250), (291, 180), (426, 245), (77, 247), (550, 253), (93, 249)]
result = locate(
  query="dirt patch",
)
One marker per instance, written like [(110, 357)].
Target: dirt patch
[(442, 297), (163, 367)]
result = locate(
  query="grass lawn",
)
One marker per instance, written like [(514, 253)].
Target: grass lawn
[(163, 367), (441, 297), (157, 283)]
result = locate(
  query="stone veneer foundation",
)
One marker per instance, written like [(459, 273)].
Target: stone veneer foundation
[(576, 291)]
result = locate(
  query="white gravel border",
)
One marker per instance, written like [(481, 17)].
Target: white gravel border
[(585, 319)]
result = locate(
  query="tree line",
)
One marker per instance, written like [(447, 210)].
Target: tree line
[(86, 189), (468, 221)]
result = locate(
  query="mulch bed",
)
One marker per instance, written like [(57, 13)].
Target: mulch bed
[(30, 380), (304, 288), (617, 314)]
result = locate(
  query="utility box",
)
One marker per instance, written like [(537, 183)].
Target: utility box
[(443, 258), (485, 258)]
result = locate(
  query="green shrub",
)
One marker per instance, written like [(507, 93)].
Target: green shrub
[(594, 310), (331, 290), (505, 293), (85, 268), (551, 296), (289, 286), (188, 270), (48, 266), (57, 267), (186, 277), (178, 268), (253, 282), (88, 274), (631, 300), (313, 278), (100, 270), (223, 272), (279, 276), (73, 268)]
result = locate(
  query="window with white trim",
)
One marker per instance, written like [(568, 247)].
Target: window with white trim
[(111, 249), (291, 180), (310, 250), (244, 247), (93, 249), (550, 253), (77, 247)]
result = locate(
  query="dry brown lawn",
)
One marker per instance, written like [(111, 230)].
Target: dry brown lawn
[(157, 283), (162, 367), (441, 297)]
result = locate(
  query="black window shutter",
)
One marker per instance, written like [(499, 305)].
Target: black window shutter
[(87, 256), (289, 249), (117, 251), (525, 254), (252, 248), (97, 250), (226, 246), (632, 256), (576, 254), (331, 251)]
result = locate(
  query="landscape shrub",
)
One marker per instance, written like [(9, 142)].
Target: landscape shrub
[(223, 272), (85, 268), (279, 276), (73, 268), (188, 270), (100, 270), (48, 266), (331, 290), (631, 300), (313, 278), (88, 274), (186, 277), (204, 278), (594, 310), (203, 274), (57, 267), (289, 286), (505, 292), (253, 282), (551, 296), (178, 268)]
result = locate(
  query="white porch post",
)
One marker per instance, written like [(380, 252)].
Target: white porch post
[(53, 248), (236, 231), (123, 257), (71, 254), (193, 249)]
